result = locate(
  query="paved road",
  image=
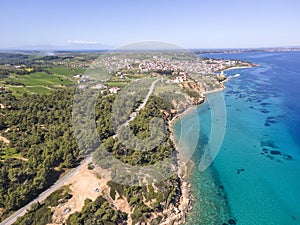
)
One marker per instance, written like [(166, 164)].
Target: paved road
[(10, 220), (134, 114)]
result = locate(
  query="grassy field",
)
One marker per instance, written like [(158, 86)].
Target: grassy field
[(59, 77), (39, 89), (162, 88), (41, 79), (42, 82), (66, 71), (19, 90)]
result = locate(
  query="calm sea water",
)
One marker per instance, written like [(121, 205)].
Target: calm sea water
[(255, 179)]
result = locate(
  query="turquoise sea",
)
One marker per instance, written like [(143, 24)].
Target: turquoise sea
[(255, 178)]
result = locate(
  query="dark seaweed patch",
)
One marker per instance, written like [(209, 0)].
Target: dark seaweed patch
[(272, 120), (238, 171), (265, 150), (264, 111), (274, 152), (287, 157), (294, 218), (265, 104), (232, 222)]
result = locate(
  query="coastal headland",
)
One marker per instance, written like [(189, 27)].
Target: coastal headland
[(181, 83)]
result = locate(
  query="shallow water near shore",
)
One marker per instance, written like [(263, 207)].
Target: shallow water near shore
[(255, 178)]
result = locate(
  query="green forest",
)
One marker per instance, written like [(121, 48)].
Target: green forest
[(42, 147)]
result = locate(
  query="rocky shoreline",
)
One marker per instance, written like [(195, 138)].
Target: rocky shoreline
[(184, 168), (178, 215), (185, 205)]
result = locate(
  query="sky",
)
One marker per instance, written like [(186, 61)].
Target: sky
[(186, 23)]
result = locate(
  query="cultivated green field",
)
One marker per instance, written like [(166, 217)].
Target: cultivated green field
[(42, 79), (66, 71), (39, 89), (42, 82), (19, 90)]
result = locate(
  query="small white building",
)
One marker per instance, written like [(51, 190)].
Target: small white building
[(114, 90), (180, 79)]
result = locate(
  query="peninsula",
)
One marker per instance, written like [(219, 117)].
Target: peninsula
[(100, 191)]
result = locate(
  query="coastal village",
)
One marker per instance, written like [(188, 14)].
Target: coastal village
[(124, 68)]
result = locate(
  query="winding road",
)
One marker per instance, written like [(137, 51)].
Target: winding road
[(10, 220), (142, 105)]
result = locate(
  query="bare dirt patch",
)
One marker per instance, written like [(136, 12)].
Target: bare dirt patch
[(2, 210), (87, 184), (84, 184), (122, 204), (4, 139)]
